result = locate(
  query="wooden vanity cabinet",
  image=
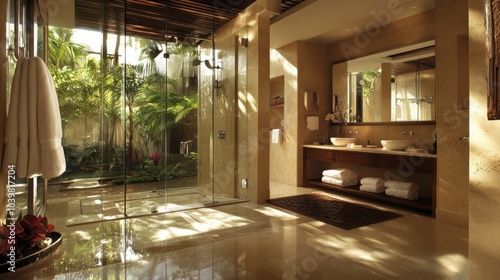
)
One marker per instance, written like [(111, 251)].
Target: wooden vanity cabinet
[(405, 162)]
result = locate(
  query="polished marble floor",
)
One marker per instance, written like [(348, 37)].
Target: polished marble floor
[(250, 241)]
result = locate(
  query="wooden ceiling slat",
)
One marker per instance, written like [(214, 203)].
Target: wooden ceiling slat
[(150, 19)]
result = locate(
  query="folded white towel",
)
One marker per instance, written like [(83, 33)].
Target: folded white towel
[(406, 194), (372, 188), (414, 150), (407, 186), (340, 173), (379, 182), (354, 146), (339, 182)]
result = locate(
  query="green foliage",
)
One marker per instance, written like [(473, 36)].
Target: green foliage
[(368, 80), (158, 111), (96, 90), (72, 156), (63, 52), (152, 172)]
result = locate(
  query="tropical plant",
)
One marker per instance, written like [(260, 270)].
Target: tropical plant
[(136, 80), (62, 50), (368, 80)]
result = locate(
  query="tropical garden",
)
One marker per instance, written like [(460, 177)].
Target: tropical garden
[(122, 117)]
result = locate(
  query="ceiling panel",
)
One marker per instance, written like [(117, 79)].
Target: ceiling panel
[(152, 19)]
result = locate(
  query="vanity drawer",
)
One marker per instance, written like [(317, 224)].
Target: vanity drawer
[(319, 154), (406, 163), (354, 158)]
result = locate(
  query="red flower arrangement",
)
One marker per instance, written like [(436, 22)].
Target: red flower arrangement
[(25, 235)]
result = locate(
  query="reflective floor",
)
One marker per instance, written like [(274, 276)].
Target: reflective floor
[(250, 241)]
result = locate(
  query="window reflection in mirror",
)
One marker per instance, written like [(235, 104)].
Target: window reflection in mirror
[(401, 91)]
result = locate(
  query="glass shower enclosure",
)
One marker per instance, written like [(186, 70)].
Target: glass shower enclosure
[(150, 125), (168, 134)]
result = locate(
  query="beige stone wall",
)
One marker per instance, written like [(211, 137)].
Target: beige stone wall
[(313, 75), (255, 153), (452, 117), (223, 159), (305, 69), (284, 64), (484, 214), (406, 32), (206, 139)]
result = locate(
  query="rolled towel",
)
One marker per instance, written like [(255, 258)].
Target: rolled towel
[(406, 194), (372, 188), (407, 186), (339, 182), (340, 173), (379, 182)]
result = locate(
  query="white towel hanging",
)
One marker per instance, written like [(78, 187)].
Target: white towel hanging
[(33, 128), (276, 136)]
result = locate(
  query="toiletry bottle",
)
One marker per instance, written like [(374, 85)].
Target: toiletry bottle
[(435, 144)]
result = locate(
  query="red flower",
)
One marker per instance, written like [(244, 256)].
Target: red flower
[(156, 158), (4, 245), (32, 229)]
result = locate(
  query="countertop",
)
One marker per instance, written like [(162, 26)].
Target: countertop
[(378, 150)]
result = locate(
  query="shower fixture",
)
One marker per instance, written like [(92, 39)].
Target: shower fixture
[(209, 66), (197, 62)]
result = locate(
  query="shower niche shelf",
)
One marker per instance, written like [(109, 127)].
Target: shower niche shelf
[(277, 88)]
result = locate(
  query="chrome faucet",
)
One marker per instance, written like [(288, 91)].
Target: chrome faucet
[(407, 133), (353, 132)]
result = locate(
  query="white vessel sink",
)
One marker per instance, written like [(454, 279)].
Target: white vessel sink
[(342, 141), (397, 145)]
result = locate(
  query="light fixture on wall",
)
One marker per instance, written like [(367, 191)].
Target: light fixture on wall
[(244, 42)]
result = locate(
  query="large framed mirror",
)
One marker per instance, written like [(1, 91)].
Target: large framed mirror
[(394, 86)]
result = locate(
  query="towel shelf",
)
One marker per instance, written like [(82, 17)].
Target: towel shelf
[(322, 155)]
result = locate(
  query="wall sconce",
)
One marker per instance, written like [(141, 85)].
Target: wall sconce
[(244, 42)]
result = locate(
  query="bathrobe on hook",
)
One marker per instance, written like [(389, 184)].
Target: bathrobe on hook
[(33, 129)]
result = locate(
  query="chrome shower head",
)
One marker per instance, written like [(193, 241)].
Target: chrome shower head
[(209, 65)]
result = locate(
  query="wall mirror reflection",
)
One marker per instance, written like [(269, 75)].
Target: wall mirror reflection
[(389, 87)]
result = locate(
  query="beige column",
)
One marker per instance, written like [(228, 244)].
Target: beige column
[(386, 92)]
